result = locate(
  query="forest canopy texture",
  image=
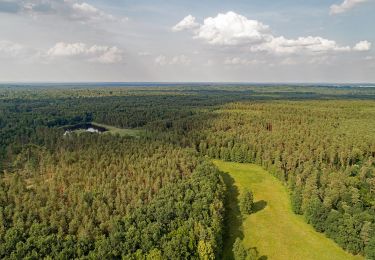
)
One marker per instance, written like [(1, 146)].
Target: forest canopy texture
[(156, 195)]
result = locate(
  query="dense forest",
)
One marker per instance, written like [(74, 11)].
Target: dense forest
[(158, 196), (323, 151)]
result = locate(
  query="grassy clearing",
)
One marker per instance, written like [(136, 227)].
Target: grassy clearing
[(121, 131), (273, 229)]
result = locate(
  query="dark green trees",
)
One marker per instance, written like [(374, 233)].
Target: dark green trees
[(241, 253), (104, 196), (323, 150), (370, 248), (246, 202), (239, 250)]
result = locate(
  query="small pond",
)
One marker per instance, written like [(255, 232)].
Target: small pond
[(87, 127)]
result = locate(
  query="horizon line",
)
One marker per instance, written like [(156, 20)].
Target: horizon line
[(185, 82)]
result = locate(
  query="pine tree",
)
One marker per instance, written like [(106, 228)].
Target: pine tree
[(239, 250), (246, 202)]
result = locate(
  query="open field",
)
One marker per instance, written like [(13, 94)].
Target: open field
[(273, 229), (120, 131)]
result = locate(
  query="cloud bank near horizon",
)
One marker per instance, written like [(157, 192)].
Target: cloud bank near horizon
[(235, 30), (158, 41)]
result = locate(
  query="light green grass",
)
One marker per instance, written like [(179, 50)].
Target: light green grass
[(120, 131), (273, 229)]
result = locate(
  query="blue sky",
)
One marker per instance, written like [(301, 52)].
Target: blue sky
[(236, 41)]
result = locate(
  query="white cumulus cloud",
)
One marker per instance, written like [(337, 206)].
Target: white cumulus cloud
[(18, 52), (362, 46), (186, 24), (12, 49), (87, 11), (232, 29), (163, 60), (281, 45), (71, 10), (94, 53), (345, 6), (240, 61)]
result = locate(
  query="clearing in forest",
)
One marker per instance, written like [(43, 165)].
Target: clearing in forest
[(274, 230), (121, 131)]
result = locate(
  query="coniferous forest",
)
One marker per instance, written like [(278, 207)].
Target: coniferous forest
[(156, 194)]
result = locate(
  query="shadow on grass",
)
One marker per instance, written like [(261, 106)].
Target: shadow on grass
[(259, 205), (233, 218), (254, 254)]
